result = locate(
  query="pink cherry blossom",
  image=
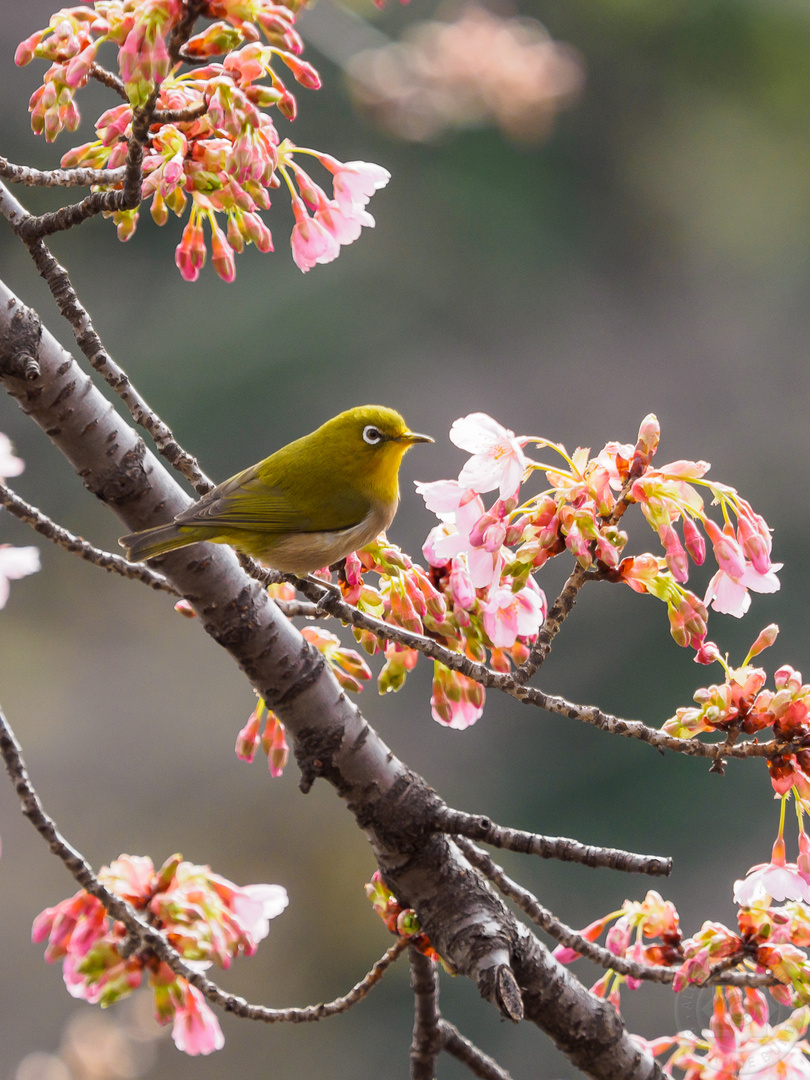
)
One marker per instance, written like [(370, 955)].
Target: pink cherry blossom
[(344, 225), (730, 595), (465, 508), (310, 241), (777, 879), (256, 905), (442, 497), (354, 182), (195, 1029), (9, 464), (498, 460), (727, 551), (15, 563), (509, 615)]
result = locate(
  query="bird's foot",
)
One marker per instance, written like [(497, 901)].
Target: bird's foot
[(330, 591)]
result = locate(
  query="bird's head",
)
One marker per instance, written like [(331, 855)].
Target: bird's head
[(372, 440)]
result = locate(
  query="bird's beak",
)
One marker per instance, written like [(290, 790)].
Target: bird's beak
[(412, 437)]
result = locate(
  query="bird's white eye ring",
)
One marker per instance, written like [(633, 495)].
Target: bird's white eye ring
[(372, 435)]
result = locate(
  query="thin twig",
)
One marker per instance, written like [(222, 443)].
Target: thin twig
[(23, 174), (147, 936), (107, 78), (427, 1038), (75, 544), (478, 827), (297, 608), (57, 280), (479, 1063), (180, 116), (557, 614)]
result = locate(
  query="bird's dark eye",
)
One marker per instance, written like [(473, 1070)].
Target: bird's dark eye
[(372, 435)]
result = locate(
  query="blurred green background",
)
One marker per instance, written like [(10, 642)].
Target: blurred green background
[(652, 255)]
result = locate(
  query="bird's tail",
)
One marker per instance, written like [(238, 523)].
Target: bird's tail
[(157, 541)]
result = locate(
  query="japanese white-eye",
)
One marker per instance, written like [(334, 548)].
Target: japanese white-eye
[(308, 505)]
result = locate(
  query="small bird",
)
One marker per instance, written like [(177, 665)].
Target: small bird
[(308, 505)]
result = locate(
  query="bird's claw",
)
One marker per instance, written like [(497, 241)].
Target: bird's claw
[(330, 591)]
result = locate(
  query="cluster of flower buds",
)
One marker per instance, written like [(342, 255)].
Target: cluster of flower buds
[(221, 152), (742, 703), (401, 921), (739, 1041), (579, 513), (634, 922), (264, 729), (15, 562), (770, 938), (205, 917)]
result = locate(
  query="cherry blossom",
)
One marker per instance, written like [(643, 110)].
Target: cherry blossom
[(206, 917), (15, 563), (731, 596), (354, 182), (9, 464), (195, 1029), (779, 881), (498, 460), (509, 615)]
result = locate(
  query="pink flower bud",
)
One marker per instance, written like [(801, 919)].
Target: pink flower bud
[(649, 434), (764, 640), (278, 752), (79, 67), (126, 224), (676, 556), (25, 50), (708, 653), (461, 587), (727, 551), (754, 536), (693, 539), (304, 72), (222, 254), (287, 105)]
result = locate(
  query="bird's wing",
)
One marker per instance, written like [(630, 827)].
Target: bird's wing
[(248, 501)]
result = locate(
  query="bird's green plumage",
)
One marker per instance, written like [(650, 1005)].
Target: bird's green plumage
[(311, 502)]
